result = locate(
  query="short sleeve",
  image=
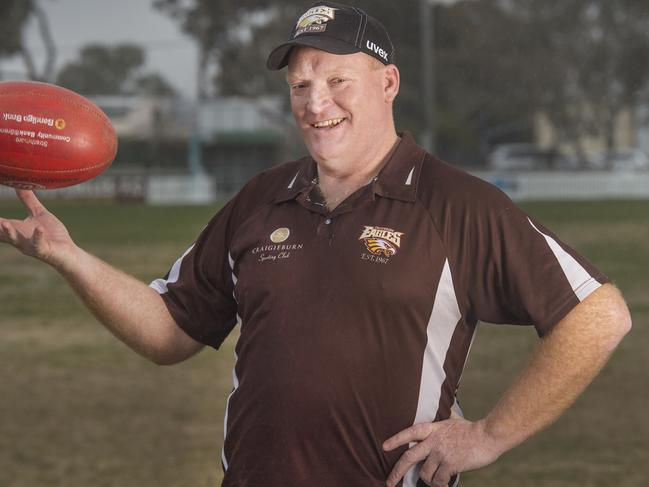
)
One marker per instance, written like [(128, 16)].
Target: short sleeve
[(198, 289), (517, 271)]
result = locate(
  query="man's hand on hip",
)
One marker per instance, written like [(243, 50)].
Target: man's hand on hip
[(446, 447)]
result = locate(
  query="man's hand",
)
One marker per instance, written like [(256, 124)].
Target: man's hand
[(131, 310), (448, 447), (40, 235)]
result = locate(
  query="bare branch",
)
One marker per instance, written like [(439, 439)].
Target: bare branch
[(48, 40), (32, 72)]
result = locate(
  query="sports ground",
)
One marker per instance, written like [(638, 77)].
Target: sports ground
[(77, 408)]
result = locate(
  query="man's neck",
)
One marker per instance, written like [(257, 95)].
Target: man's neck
[(335, 188)]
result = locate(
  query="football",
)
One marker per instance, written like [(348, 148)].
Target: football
[(51, 137)]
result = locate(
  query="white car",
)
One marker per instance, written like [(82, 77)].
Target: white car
[(519, 157), (624, 159)]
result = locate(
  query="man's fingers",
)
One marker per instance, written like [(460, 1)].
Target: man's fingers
[(3, 232), (37, 237), (435, 472), (409, 458), (31, 202), (9, 233), (442, 477), (417, 432)]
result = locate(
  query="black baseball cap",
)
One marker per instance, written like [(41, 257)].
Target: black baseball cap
[(338, 29)]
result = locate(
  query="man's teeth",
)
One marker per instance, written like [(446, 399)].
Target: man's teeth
[(328, 123)]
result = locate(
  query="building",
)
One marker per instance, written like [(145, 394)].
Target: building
[(229, 139)]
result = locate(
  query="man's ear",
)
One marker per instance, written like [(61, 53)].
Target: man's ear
[(391, 82)]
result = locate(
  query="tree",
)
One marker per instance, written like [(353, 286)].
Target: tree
[(209, 22), (582, 62), (480, 100), (112, 70), (153, 84), (14, 16)]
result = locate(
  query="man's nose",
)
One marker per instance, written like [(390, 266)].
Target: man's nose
[(319, 99)]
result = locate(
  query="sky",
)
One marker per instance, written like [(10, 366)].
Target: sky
[(75, 23)]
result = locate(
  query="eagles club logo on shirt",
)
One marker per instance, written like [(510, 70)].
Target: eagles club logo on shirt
[(381, 241), (314, 20)]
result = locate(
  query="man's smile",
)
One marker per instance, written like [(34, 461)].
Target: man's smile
[(332, 122)]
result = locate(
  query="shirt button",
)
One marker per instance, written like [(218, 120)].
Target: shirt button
[(328, 221)]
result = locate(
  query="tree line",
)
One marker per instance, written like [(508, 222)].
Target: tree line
[(99, 70), (498, 63)]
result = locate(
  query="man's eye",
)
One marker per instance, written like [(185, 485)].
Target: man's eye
[(297, 86), (339, 80)]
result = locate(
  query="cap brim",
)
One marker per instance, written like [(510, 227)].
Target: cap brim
[(278, 58)]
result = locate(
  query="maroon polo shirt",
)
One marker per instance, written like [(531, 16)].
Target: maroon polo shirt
[(356, 323)]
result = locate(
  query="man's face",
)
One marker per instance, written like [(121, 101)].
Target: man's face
[(339, 103)]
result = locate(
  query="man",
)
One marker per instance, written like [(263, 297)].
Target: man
[(358, 276)]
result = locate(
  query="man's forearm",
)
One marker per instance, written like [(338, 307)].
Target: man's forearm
[(563, 364), (128, 308)]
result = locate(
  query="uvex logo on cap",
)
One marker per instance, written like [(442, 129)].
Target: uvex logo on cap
[(314, 20), (377, 49)]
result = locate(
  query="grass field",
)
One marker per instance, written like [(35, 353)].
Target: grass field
[(77, 408)]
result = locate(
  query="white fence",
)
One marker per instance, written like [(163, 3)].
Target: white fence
[(570, 185), (158, 189), (139, 187)]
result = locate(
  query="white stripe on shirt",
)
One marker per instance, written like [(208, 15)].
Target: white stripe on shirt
[(581, 282), (441, 326), (160, 285)]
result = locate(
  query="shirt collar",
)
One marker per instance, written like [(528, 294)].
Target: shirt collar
[(397, 180), (303, 179), (399, 177)]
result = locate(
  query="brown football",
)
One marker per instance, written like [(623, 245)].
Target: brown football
[(51, 137)]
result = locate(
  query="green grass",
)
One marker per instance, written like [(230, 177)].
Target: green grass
[(78, 408)]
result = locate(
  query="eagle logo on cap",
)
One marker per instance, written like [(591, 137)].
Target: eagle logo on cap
[(314, 20)]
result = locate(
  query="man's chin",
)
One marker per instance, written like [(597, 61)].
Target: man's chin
[(322, 150), (324, 154)]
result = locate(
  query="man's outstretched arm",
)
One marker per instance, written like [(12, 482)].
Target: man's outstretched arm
[(131, 310), (563, 364)]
